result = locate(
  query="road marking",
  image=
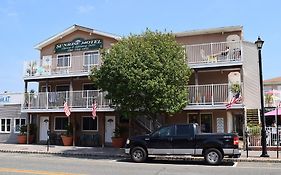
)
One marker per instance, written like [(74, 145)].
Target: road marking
[(34, 172)]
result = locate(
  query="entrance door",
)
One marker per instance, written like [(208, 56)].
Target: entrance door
[(44, 127), (109, 128)]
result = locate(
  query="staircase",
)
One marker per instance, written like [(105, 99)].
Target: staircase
[(252, 116), (146, 123)]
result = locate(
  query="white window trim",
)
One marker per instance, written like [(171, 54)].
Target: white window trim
[(97, 118), (20, 124), (55, 122), (98, 53), (70, 56), (6, 125)]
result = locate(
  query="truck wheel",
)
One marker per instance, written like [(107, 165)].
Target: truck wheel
[(138, 154), (213, 156)]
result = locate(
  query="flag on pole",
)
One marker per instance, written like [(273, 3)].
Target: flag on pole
[(235, 99), (66, 109), (94, 109)]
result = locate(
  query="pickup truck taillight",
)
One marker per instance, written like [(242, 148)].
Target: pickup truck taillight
[(235, 140)]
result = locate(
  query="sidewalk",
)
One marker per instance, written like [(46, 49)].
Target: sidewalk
[(107, 152)]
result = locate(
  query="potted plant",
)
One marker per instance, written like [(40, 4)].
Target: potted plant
[(117, 139), (67, 138), (235, 88), (254, 131), (22, 137)]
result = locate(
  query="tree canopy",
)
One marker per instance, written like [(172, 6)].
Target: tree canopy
[(146, 73)]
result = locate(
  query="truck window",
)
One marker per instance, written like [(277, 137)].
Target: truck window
[(164, 132), (185, 130)]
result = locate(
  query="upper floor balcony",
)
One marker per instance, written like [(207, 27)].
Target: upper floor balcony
[(200, 96), (214, 54), (79, 101), (65, 65), (212, 96)]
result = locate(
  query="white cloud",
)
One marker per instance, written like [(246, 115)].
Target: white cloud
[(85, 8)]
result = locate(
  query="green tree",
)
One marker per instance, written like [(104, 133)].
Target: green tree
[(145, 74)]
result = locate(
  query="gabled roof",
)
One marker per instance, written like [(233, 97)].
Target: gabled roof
[(70, 30), (210, 31), (276, 80)]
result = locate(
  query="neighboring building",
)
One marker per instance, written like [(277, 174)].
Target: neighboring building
[(223, 64), (272, 92), (11, 117)]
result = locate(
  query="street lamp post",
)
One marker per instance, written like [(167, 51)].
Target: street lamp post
[(259, 44)]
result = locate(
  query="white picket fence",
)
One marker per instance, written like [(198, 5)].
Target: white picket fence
[(254, 138)]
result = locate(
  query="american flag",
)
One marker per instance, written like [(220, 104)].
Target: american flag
[(94, 109), (66, 109), (236, 98)]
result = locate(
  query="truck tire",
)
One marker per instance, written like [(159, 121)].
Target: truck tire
[(213, 156), (138, 154)]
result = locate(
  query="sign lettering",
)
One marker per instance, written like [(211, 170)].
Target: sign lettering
[(79, 44)]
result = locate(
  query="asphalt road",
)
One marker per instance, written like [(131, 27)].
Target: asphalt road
[(15, 164)]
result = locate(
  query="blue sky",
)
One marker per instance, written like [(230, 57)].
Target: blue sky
[(25, 23)]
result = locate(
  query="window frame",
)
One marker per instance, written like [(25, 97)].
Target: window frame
[(6, 125), (68, 120), (84, 57), (69, 63), (82, 124), (20, 124)]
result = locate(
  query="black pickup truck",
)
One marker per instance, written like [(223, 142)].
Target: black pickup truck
[(183, 140)]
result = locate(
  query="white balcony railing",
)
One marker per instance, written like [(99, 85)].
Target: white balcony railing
[(54, 66), (211, 94), (75, 99), (214, 53)]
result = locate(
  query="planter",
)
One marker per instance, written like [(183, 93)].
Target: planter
[(117, 142), (23, 138), (67, 140)]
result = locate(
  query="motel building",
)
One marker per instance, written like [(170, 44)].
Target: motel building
[(223, 65)]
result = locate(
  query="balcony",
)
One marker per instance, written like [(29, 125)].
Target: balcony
[(211, 95), (61, 66), (214, 54), (79, 101)]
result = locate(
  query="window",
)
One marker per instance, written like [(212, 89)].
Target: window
[(91, 58), (89, 124), (165, 131), (5, 125), (18, 123), (61, 123), (206, 123), (89, 90), (184, 130), (63, 61), (61, 88)]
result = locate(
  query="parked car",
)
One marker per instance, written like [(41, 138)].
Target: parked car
[(181, 140)]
